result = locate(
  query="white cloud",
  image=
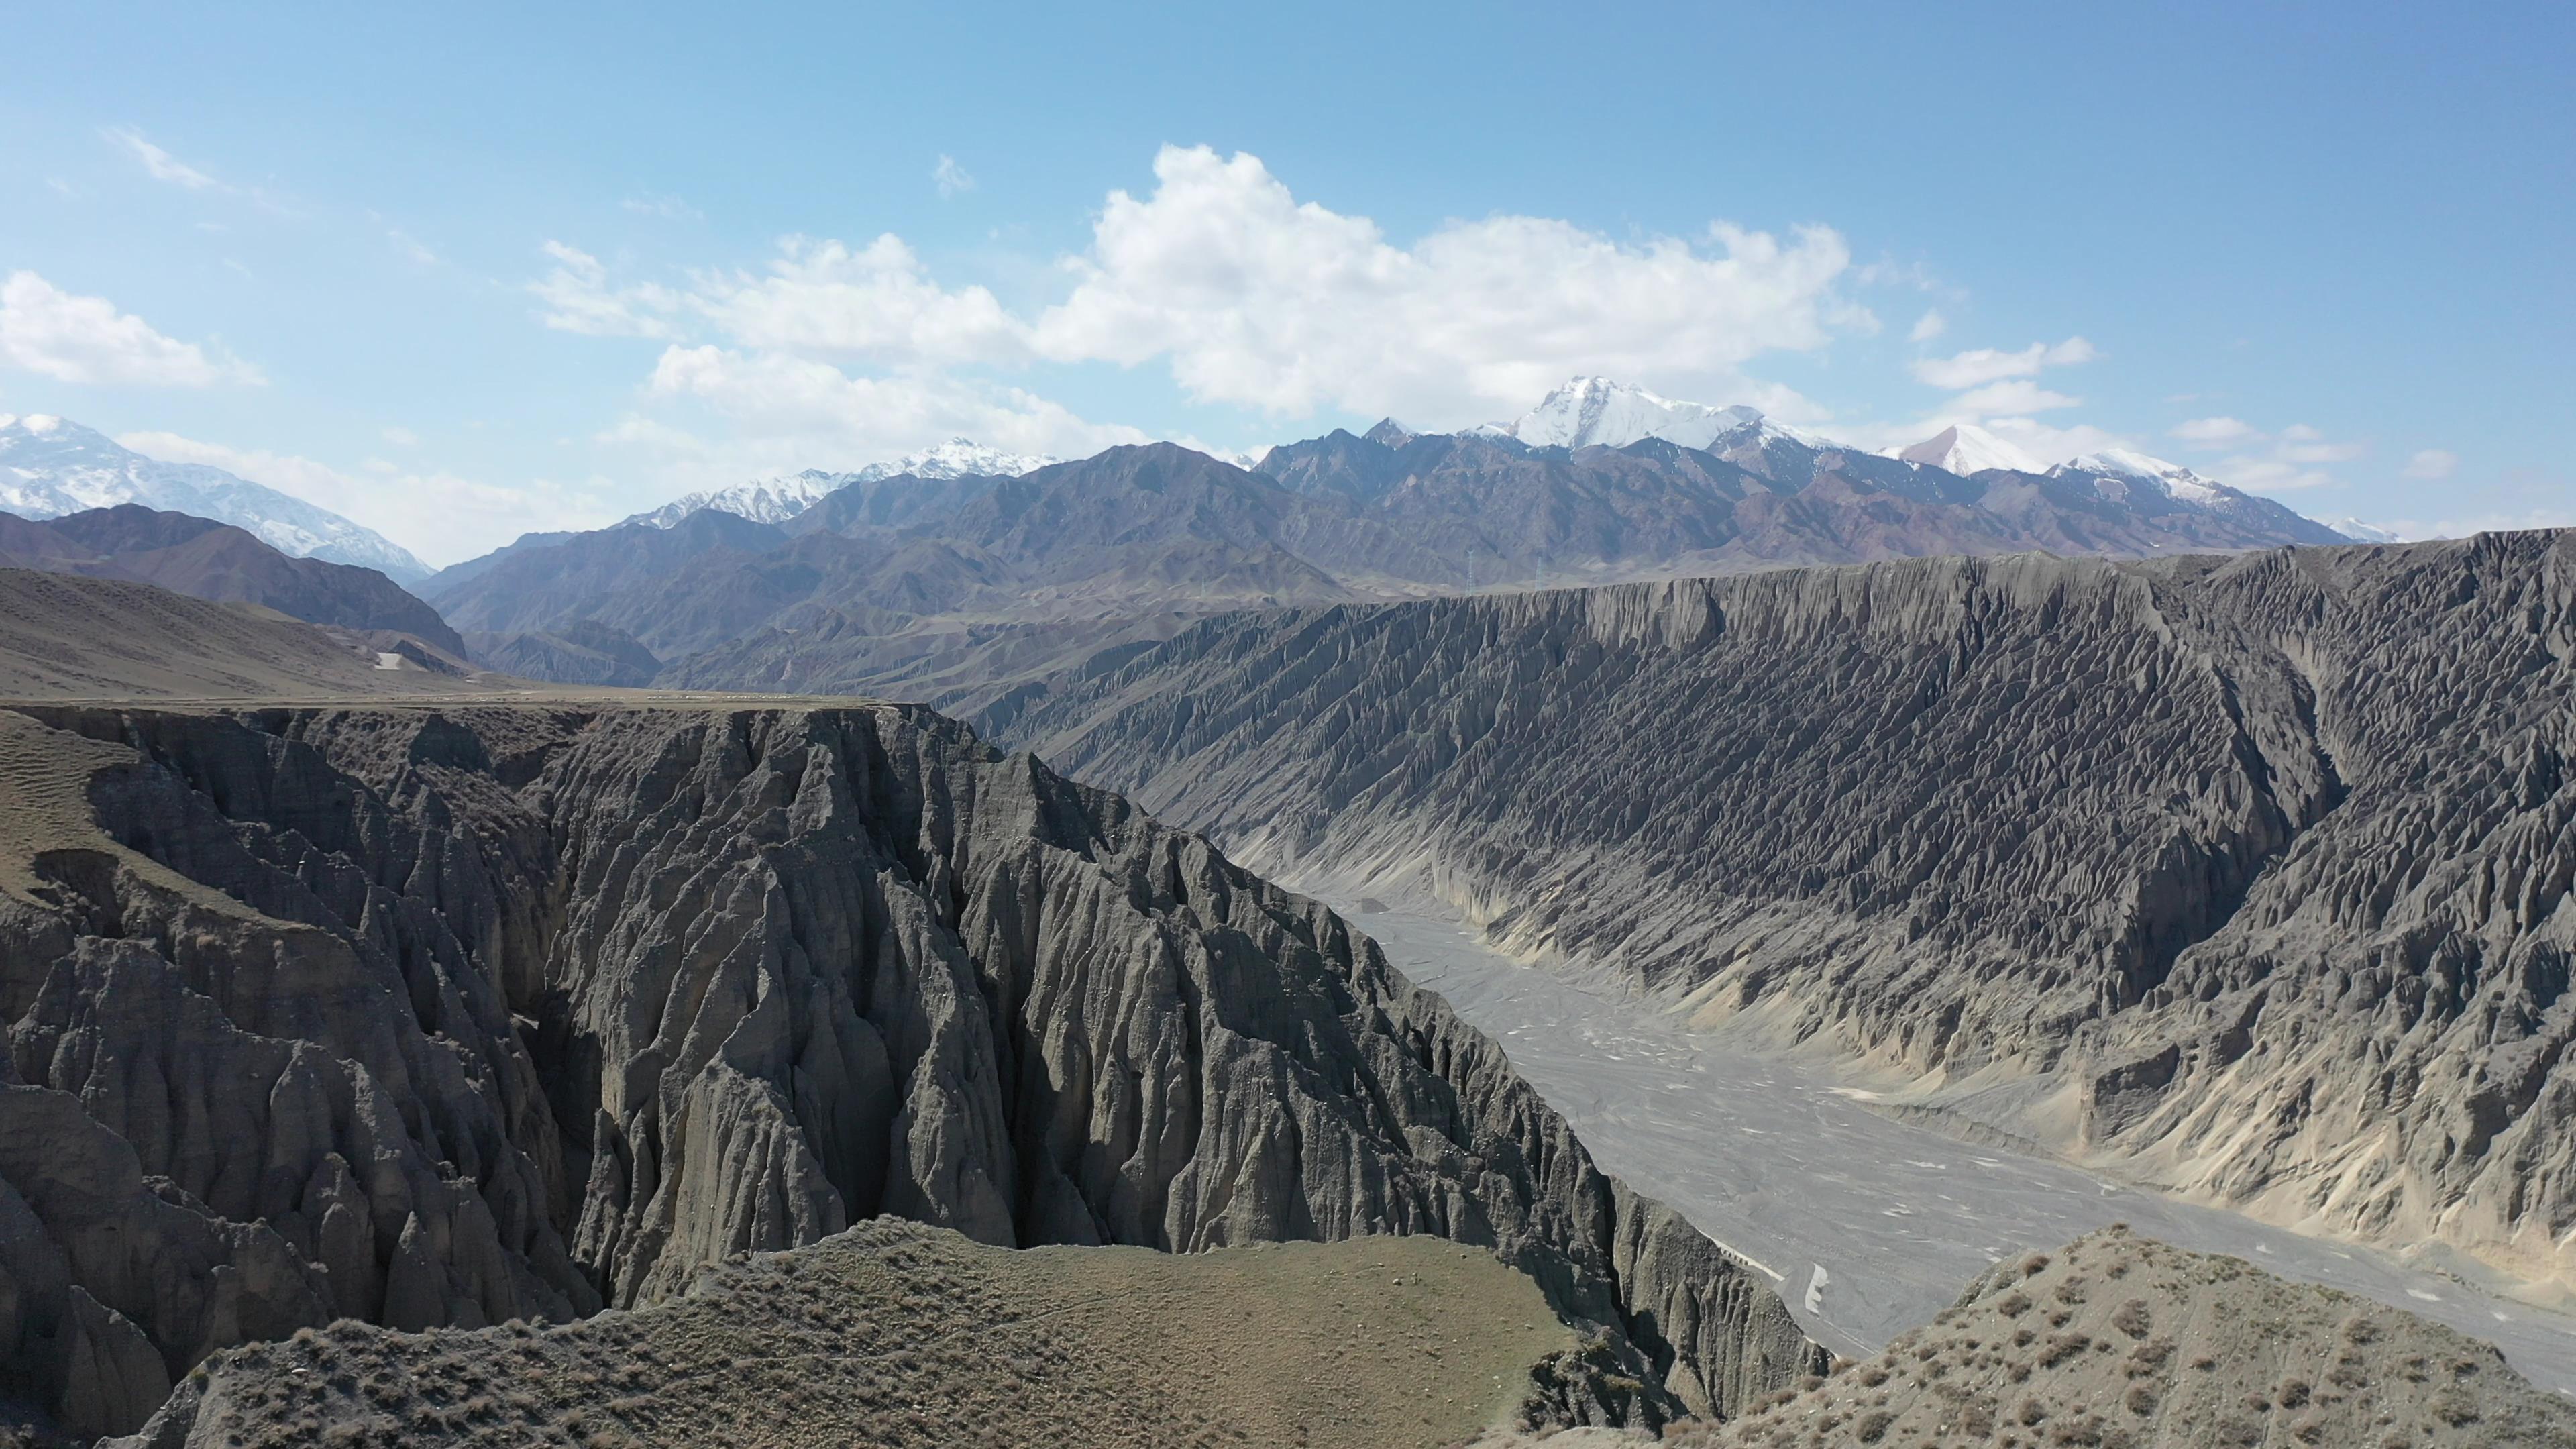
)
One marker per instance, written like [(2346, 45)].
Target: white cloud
[(950, 178), (1981, 365), (2432, 463), (804, 411), (1258, 299), (1928, 326), (160, 164), (579, 299), (402, 437), (1248, 295), (73, 338), (669, 208), (2215, 432), (437, 514), (2016, 395), (2286, 463), (877, 302)]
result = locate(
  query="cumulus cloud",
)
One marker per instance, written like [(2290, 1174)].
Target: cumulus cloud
[(1254, 297), (821, 412), (1981, 365), (2432, 464), (439, 515), (2215, 432), (873, 303), (1928, 326), (160, 165), (852, 351), (950, 178), (73, 338)]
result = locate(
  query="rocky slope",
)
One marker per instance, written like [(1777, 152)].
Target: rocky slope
[(905, 1337), (64, 636), (2248, 876), (2125, 1343), (454, 1016), (208, 560)]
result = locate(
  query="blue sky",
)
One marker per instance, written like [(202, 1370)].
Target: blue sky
[(462, 271)]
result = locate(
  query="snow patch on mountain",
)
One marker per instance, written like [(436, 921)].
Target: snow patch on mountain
[(776, 500), (1589, 412), (2360, 532), (50, 466), (2179, 483), (1965, 449)]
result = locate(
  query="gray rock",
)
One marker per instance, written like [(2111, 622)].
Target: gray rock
[(2249, 876), (519, 1010)]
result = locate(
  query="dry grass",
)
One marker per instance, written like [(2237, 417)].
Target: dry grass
[(897, 1335)]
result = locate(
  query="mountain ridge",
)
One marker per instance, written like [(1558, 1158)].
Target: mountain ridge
[(50, 466)]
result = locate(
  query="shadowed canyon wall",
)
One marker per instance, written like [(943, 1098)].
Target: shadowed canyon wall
[(450, 1016), (2250, 875)]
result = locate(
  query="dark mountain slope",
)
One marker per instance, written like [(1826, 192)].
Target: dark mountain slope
[(448, 1017), (208, 560), (2250, 875)]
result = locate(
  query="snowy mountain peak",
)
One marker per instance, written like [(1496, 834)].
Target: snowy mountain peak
[(1592, 412), (776, 500), (1967, 448), (50, 466), (2178, 482)]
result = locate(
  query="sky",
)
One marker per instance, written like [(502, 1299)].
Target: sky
[(465, 271)]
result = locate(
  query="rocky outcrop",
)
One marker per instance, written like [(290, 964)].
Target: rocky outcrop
[(458, 1016), (2121, 1340), (2248, 875)]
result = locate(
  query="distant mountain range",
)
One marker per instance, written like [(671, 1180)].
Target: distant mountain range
[(204, 559), (776, 500), (51, 466), (953, 586), (954, 574)]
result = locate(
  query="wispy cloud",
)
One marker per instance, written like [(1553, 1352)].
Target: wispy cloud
[(950, 178), (2432, 464), (1981, 365), (669, 208), (1928, 326), (2214, 432), (160, 165)]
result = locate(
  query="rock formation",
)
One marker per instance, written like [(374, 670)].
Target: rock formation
[(455, 1016), (2122, 1341), (2250, 876)]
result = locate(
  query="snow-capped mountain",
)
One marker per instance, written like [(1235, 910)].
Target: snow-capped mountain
[(50, 466), (775, 500), (2178, 482), (762, 500), (1593, 412), (2360, 532), (1967, 449)]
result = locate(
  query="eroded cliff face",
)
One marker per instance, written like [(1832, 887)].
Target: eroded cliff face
[(426, 1016), (2262, 864)]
